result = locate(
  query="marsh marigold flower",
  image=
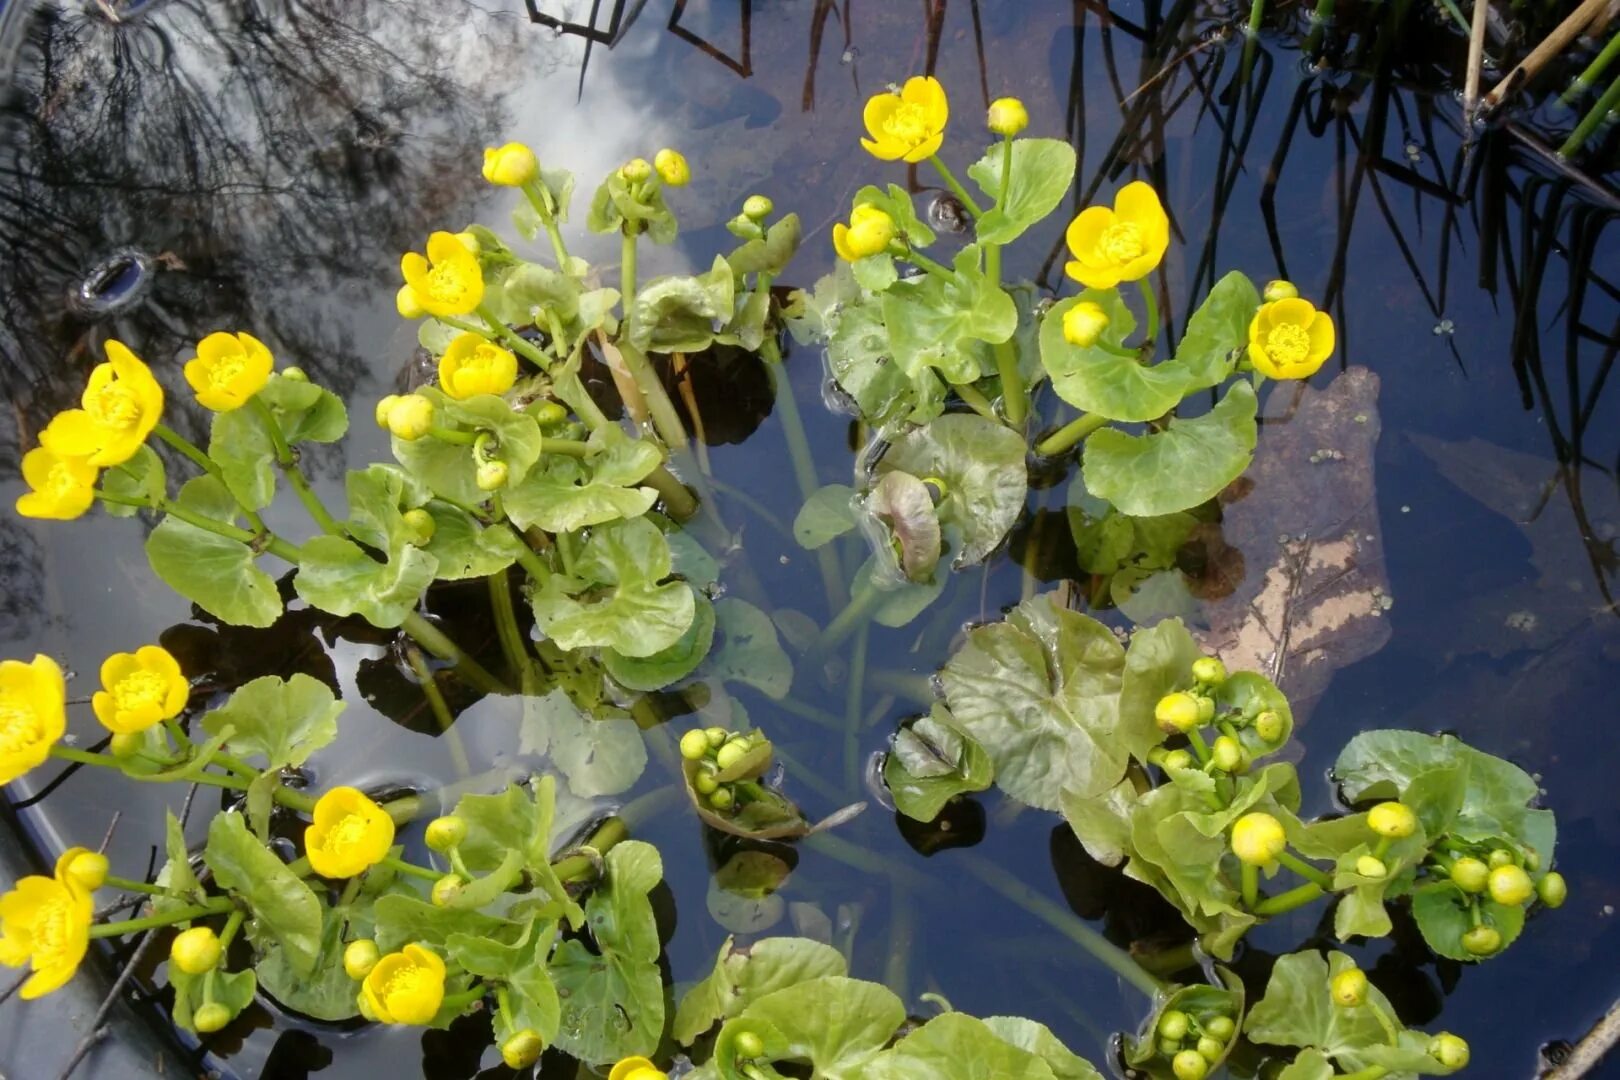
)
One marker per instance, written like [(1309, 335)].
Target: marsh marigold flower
[(910, 125), (1290, 339), (228, 370), (1007, 116), (350, 835), (63, 488), (447, 280), (1120, 244), (45, 924), (672, 168), (33, 713), (139, 689), (512, 165), (406, 987), (473, 365), (122, 403), (868, 233), (637, 1068)]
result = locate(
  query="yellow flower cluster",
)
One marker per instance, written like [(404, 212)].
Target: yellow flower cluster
[(141, 688), (228, 370), (868, 233), (45, 924), (1289, 338), (445, 282)]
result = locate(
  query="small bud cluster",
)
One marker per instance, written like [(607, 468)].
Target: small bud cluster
[(715, 750), (1492, 872), (1194, 1042), (1184, 712)]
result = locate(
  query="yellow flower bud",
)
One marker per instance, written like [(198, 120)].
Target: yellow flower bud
[(1370, 866), (1470, 874), (1349, 988), (295, 374), (1178, 759), (729, 754), (411, 417), (384, 407), (363, 1003), (1269, 726), (635, 170), (444, 833), (1501, 857), (422, 526), (637, 1068), (195, 951), (1482, 941), (1173, 1025), (1392, 819), (721, 799), (1279, 289), (87, 868), (210, 1017), (868, 233), (1510, 885), (695, 745), (1177, 712), (359, 957), (126, 743), (704, 782), (1189, 1065), (1007, 116), (672, 168), (1553, 889), (511, 165), (446, 889), (1258, 839), (1227, 754), (757, 207), (1449, 1050), (1209, 670), (1084, 323), (522, 1049), (491, 476), (717, 736), (749, 1045), (406, 303)]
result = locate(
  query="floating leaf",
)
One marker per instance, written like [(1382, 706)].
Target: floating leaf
[(1190, 461), (981, 465), (743, 974), (637, 614), (826, 515), (599, 756), (281, 720), (749, 650), (931, 763), (902, 509), (283, 905)]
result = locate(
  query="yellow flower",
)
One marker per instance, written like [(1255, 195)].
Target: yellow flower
[(1258, 839), (228, 370), (63, 487), (447, 281), (672, 168), (406, 303), (1122, 244), (637, 1068), (1290, 339), (1084, 323), (88, 869), (122, 403), (868, 233), (140, 689), (1007, 116), (473, 365), (350, 835), (512, 165), (33, 713), (909, 125), (45, 923), (406, 987)]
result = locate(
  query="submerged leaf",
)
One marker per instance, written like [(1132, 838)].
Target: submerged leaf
[(903, 510), (981, 468), (932, 762)]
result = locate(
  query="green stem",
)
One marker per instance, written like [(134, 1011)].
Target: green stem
[(458, 1002), (1257, 11), (1014, 398), (395, 863), (659, 406), (1594, 117), (1200, 749), (976, 401), (579, 866), (1069, 434), (1065, 922), (1296, 897), (540, 198), (1251, 885), (1594, 71), (1371, 1072), (451, 435), (217, 906), (1150, 301), (1392, 1030), (956, 186), (918, 259), (233, 923), (846, 622), (130, 885), (1320, 17), (431, 638), (678, 498), (208, 465), (506, 627), (288, 460), (1306, 870), (269, 541), (627, 268)]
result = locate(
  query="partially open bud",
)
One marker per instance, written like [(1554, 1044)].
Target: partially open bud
[(195, 951), (88, 869), (1007, 116), (635, 170), (1449, 1050), (359, 957), (1482, 941), (511, 165), (1177, 712), (1279, 290), (1349, 988), (695, 745), (1392, 819), (1258, 839), (1084, 323), (421, 525), (410, 418), (1469, 874), (672, 168), (444, 833), (491, 476), (522, 1049), (446, 889), (1552, 889), (210, 1017), (384, 407), (1510, 885), (868, 233), (757, 207)]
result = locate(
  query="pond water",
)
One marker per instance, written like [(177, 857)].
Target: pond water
[(262, 165)]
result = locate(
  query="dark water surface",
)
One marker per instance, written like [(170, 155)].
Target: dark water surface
[(261, 166)]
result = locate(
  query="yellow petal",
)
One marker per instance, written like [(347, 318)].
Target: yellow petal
[(1093, 277), (71, 433), (925, 90), (1322, 338), (1262, 361), (1085, 231), (879, 107), (1139, 204), (443, 246), (925, 150), (413, 266), (840, 240), (1294, 309)]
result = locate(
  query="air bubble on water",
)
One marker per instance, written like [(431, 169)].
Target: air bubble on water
[(1414, 152), (850, 55), (1444, 326)]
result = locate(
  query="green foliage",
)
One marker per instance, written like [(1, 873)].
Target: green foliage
[(1200, 1004), (931, 762), (284, 908), (141, 477), (679, 313), (338, 575), (241, 442), (566, 493), (280, 720), (1042, 171), (1186, 463), (448, 469), (981, 464), (617, 596), (743, 974), (826, 515), (214, 572)]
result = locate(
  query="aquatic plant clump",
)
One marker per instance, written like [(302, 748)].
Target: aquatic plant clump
[(507, 470)]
